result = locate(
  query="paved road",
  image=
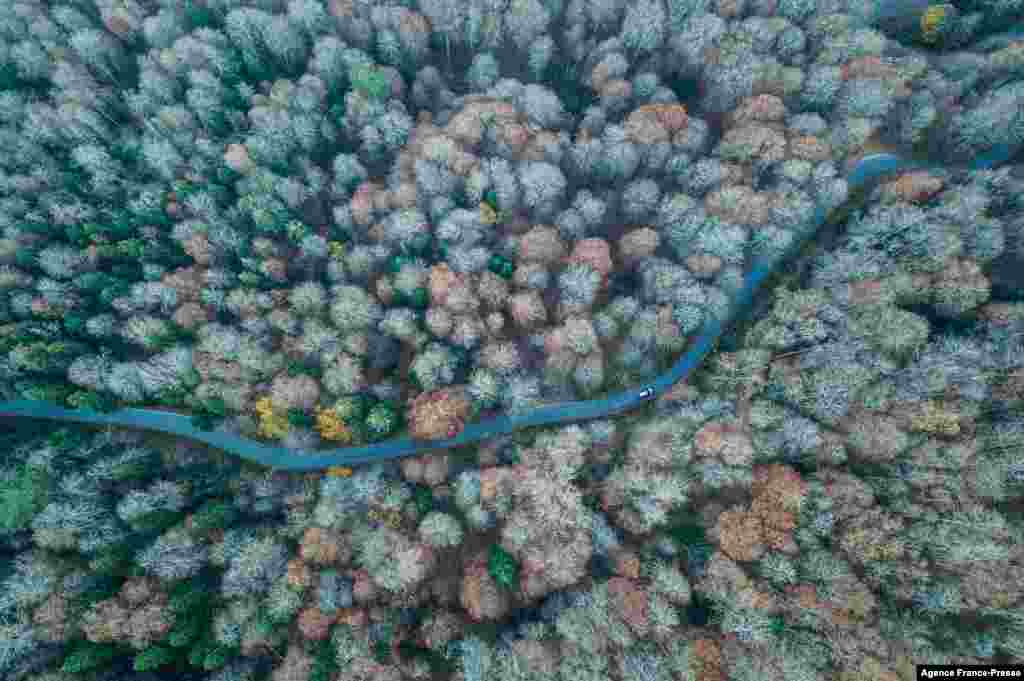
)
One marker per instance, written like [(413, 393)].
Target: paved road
[(866, 170)]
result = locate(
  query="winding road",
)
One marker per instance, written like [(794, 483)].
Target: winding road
[(866, 170)]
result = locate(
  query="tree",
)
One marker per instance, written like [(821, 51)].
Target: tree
[(256, 568), (154, 657), (325, 661), (643, 28), (353, 310), (440, 529), (18, 648), (579, 284), (502, 567), (189, 625), (22, 495), (543, 186), (368, 80), (433, 368), (174, 555), (542, 106), (69, 523), (129, 464), (86, 657), (214, 514), (382, 421), (157, 508)]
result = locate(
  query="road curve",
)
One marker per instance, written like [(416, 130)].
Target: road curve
[(866, 170)]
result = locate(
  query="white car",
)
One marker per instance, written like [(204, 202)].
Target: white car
[(647, 393)]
